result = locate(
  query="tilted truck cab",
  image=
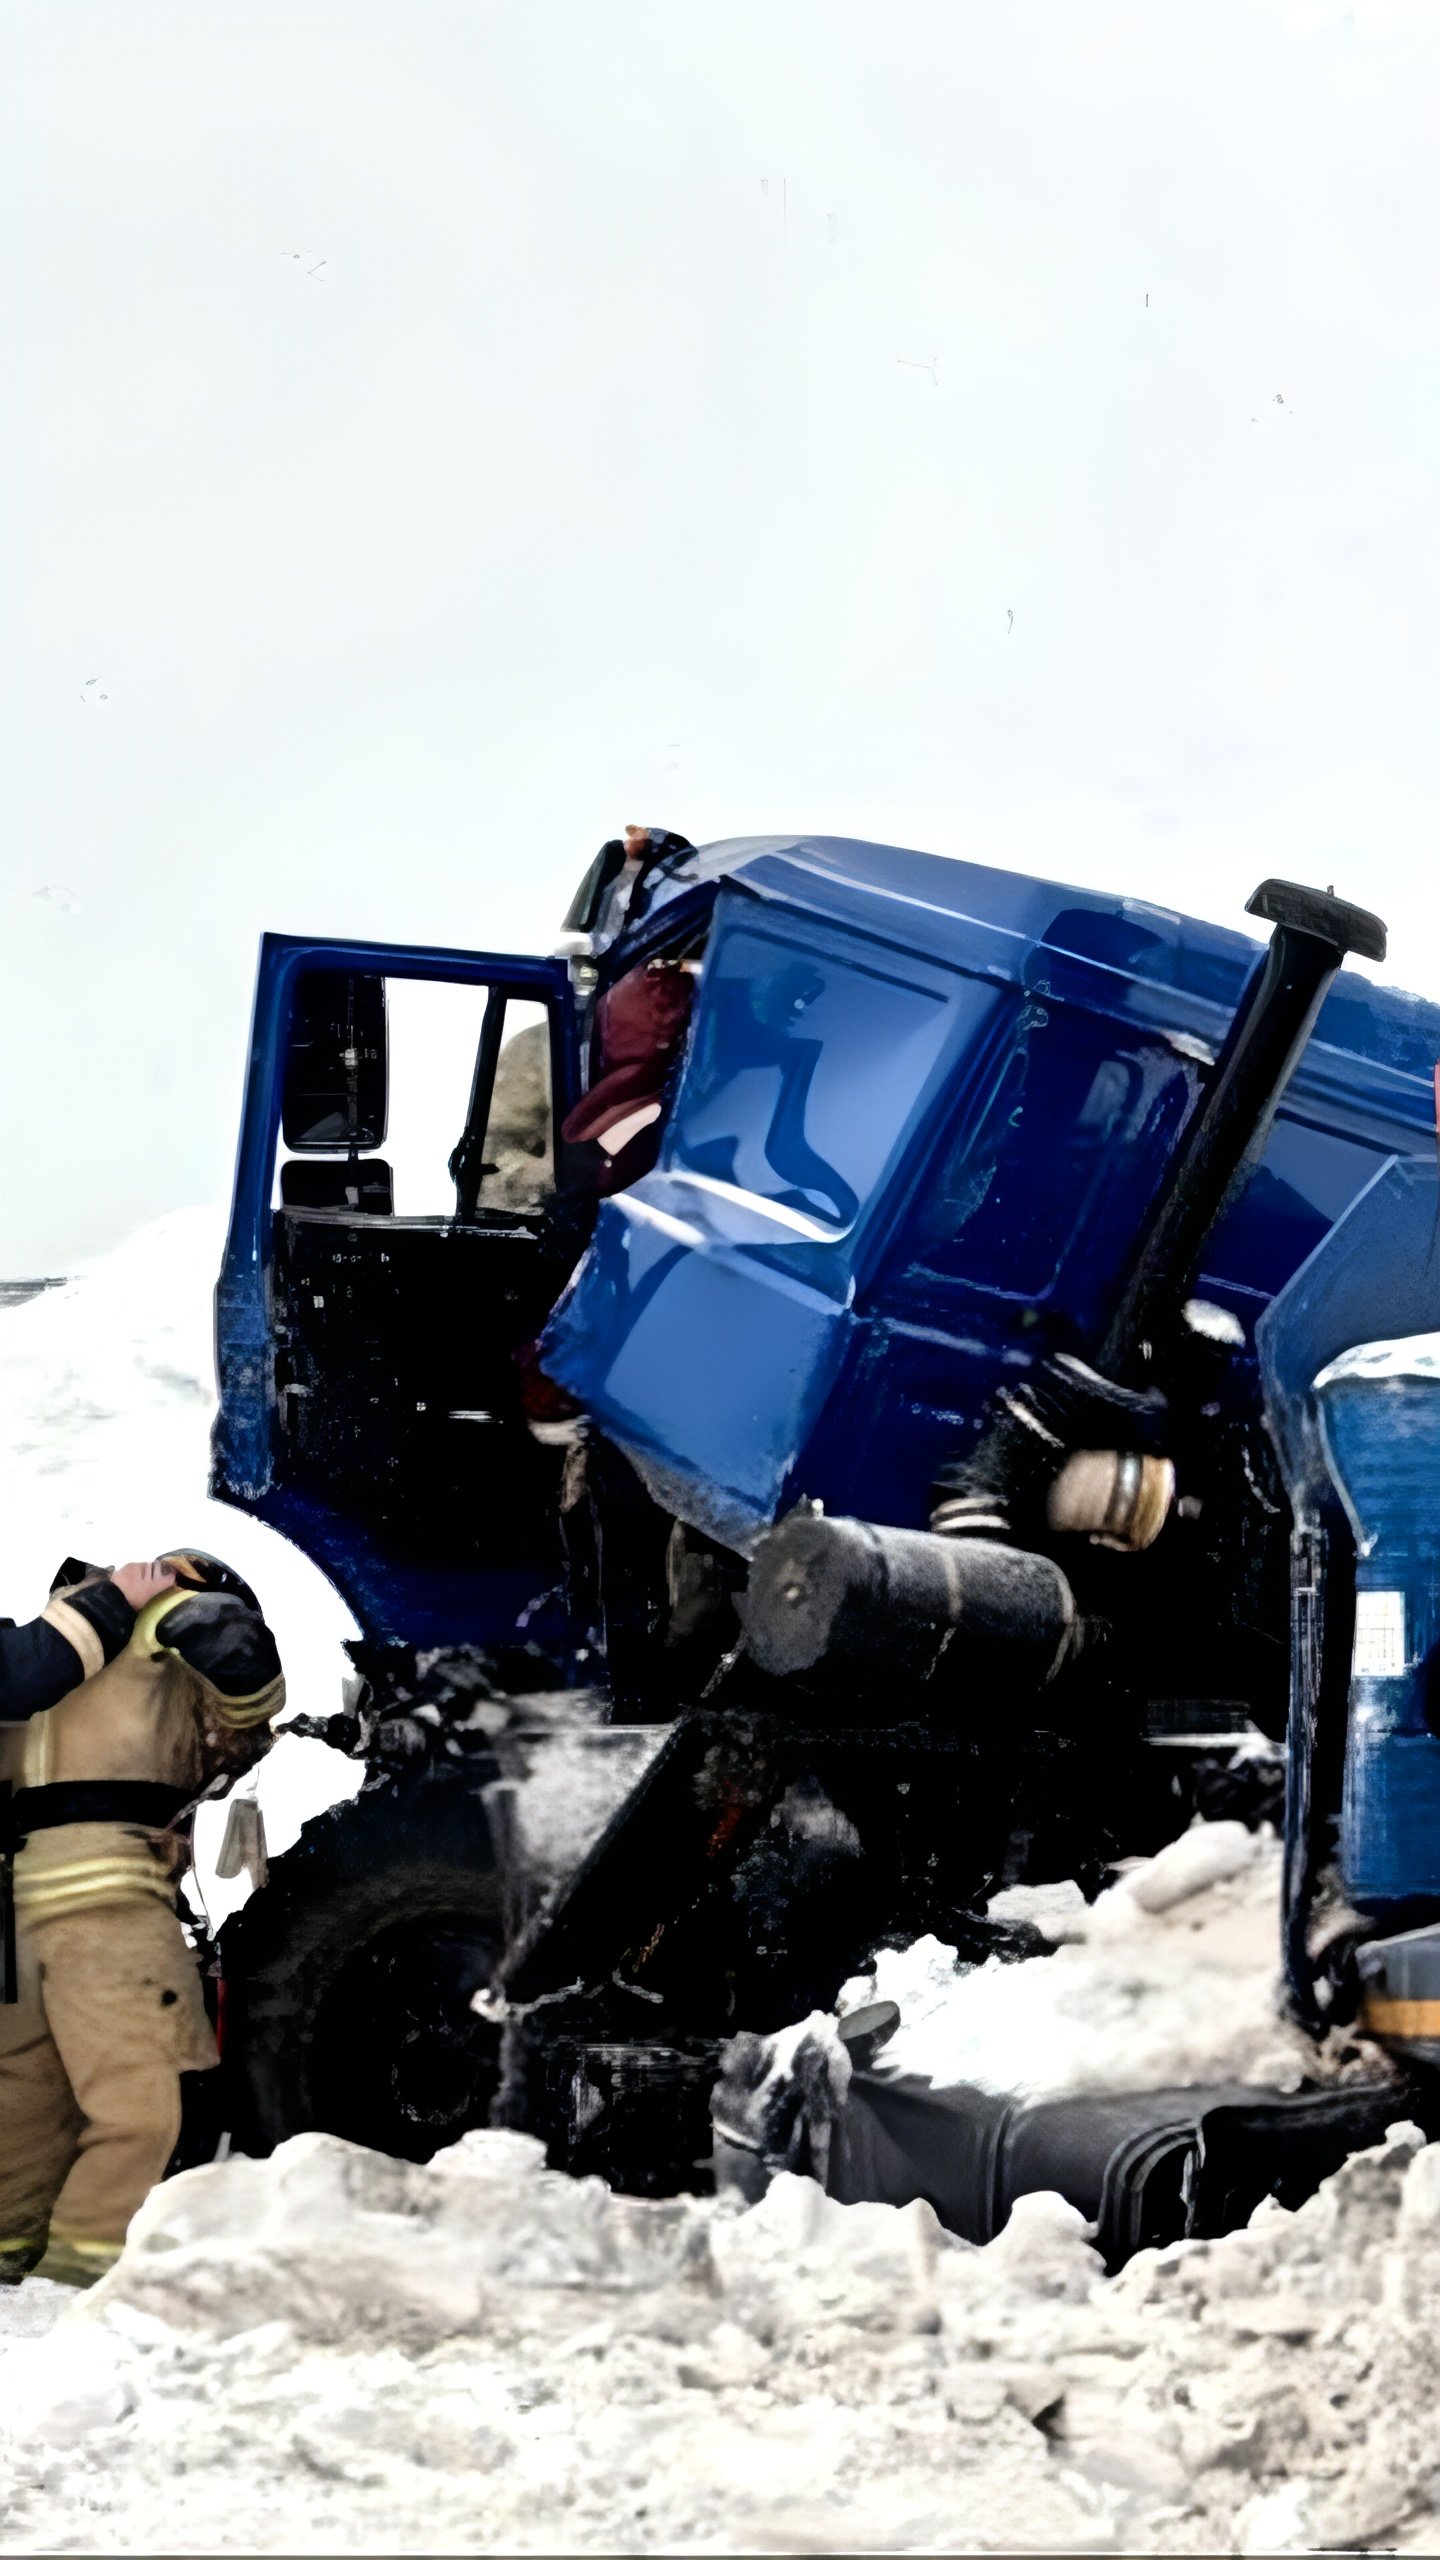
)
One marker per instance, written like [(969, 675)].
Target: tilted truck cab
[(925, 1108)]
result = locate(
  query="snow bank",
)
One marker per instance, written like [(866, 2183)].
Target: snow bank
[(1170, 1978), (107, 1390), (330, 2351)]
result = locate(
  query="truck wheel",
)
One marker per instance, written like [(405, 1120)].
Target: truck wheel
[(347, 1978)]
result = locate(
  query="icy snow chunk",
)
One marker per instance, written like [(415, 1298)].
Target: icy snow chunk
[(921, 1979), (346, 2242), (1045, 2248), (244, 2242), (58, 2389), (1278, 2521), (1208, 1853), (1420, 2196), (27, 2310), (800, 2259), (498, 2154), (1058, 1911), (1170, 1979)]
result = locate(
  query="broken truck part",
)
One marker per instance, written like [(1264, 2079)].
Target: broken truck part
[(918, 1477), (1153, 2166)]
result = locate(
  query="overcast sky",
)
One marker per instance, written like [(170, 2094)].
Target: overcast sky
[(437, 432)]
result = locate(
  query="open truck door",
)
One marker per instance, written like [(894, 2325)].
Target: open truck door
[(374, 1298)]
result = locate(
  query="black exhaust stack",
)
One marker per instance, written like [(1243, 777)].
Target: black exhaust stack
[(1314, 933)]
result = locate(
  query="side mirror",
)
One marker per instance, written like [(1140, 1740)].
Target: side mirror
[(337, 1064)]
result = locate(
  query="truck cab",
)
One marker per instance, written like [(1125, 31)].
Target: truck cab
[(924, 1110)]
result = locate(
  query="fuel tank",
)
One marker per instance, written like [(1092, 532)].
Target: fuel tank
[(1380, 1422)]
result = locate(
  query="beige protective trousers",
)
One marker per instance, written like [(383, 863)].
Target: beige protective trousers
[(110, 2013)]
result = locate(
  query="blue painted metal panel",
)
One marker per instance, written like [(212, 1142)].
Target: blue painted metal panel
[(941, 1098), (400, 1602), (686, 1366), (1382, 1437), (711, 1316), (1375, 1278)]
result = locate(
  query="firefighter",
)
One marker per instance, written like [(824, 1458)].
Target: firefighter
[(173, 1683), (640, 1030), (616, 882)]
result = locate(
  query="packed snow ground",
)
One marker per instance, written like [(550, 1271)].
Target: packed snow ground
[(331, 2351)]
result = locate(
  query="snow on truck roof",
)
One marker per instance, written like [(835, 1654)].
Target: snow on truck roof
[(1414, 1355)]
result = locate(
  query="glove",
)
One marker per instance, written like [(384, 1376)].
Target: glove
[(226, 1645)]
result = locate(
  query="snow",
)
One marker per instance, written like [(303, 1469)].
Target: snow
[(570, 1780), (1208, 1853), (106, 1399), (330, 2351), (27, 2310), (1170, 1978), (1412, 1355), (316, 2350)]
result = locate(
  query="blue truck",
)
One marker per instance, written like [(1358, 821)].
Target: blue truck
[(913, 1480)]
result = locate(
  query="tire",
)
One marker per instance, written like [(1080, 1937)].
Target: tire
[(347, 1978)]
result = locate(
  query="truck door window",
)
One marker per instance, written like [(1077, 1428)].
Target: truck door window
[(520, 1130), (435, 1036), (1015, 1191), (804, 1073)]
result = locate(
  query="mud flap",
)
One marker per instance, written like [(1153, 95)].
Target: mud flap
[(1284, 2146), (1145, 2168)]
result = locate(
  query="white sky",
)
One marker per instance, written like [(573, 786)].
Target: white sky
[(690, 395)]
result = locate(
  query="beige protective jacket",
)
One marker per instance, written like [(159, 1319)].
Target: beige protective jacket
[(147, 1715)]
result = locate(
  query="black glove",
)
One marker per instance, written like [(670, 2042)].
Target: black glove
[(225, 1644)]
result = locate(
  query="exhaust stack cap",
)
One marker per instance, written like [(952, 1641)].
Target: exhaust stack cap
[(1330, 919)]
